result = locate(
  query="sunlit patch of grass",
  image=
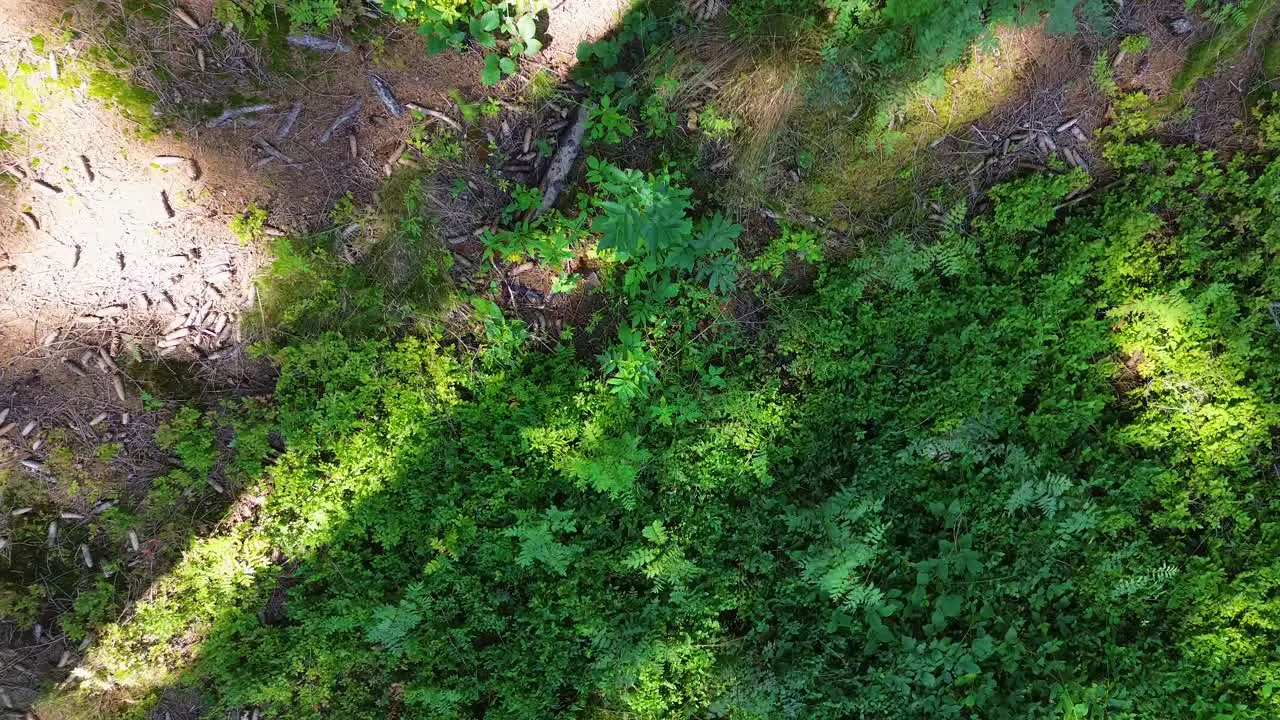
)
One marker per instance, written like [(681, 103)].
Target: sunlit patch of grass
[(133, 661), (106, 73), (25, 91), (131, 101), (46, 78), (1271, 60), (866, 157)]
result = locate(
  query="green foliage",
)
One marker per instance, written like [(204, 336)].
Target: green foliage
[(272, 18), (1103, 76), (1004, 487), (503, 339), (911, 39), (248, 226), (656, 113), (606, 123), (1135, 44), (312, 13), (634, 372), (190, 437), (1030, 205), (644, 221), (379, 267), (715, 123), (1233, 14), (537, 537), (495, 67), (21, 604), (794, 239), (108, 72), (435, 145), (548, 238), (1265, 112), (598, 60), (448, 24), (661, 560), (247, 17), (1237, 28), (104, 70), (392, 626), (22, 91), (92, 608)]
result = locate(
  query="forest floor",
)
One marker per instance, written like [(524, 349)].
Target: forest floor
[(130, 247), (124, 287)]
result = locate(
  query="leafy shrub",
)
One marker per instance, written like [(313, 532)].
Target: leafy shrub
[(548, 238), (273, 18), (715, 123), (1135, 44), (793, 239), (378, 268), (435, 145), (249, 225), (607, 123), (92, 608), (448, 24), (644, 222), (656, 113)]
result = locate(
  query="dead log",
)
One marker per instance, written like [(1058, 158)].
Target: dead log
[(562, 164)]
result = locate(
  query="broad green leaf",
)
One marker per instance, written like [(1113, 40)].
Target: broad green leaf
[(492, 71), (526, 27)]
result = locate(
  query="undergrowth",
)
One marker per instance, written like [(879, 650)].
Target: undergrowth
[(1022, 468), (1021, 465)]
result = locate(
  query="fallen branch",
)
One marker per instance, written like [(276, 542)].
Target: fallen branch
[(234, 113), (562, 164), (384, 92), (317, 43), (274, 151), (186, 18), (342, 121), (435, 114), (286, 125)]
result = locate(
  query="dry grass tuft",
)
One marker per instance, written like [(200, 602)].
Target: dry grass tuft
[(758, 84), (764, 97)]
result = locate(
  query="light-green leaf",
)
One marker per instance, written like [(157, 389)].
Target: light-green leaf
[(526, 27), (655, 532), (492, 72), (950, 605)]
